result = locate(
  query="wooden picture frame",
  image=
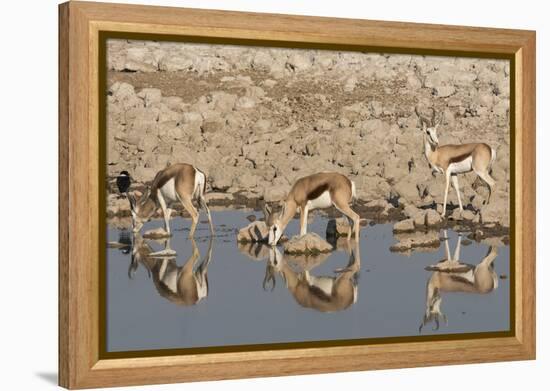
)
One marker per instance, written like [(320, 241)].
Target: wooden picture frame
[(80, 27)]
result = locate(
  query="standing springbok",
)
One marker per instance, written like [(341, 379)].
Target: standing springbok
[(323, 293), (317, 191), (451, 275), (177, 183), (454, 159)]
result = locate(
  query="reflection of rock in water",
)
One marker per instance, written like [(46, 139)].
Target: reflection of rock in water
[(306, 262), (156, 233), (255, 251), (416, 241), (409, 239), (256, 231), (497, 241)]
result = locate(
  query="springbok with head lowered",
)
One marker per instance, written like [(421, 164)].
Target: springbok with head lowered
[(181, 183), (454, 159), (317, 191), (451, 275)]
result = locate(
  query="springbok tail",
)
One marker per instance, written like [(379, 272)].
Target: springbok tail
[(201, 186), (353, 192)]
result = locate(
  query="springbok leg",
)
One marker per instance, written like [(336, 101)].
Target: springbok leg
[(454, 179), (188, 205)]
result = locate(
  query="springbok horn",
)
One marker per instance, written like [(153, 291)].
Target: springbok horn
[(267, 211), (433, 117), (423, 119)]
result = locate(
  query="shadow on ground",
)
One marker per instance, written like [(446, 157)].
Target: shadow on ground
[(49, 377)]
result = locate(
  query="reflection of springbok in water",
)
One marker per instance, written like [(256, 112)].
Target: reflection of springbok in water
[(182, 285), (325, 294), (451, 275)]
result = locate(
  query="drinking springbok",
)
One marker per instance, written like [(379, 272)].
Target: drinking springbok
[(182, 285), (177, 183), (451, 275), (454, 159), (316, 191), (324, 293)]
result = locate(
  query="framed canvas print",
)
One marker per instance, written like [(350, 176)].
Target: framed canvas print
[(255, 195)]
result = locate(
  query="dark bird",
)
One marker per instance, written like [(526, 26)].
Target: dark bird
[(123, 182)]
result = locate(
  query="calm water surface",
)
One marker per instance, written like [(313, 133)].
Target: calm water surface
[(217, 293)]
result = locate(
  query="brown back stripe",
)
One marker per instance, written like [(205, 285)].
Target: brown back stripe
[(315, 193), (319, 293), (460, 158), (464, 280)]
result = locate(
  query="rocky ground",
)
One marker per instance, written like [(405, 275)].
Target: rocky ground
[(255, 120)]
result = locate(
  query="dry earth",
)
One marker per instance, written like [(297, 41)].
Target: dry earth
[(257, 119)]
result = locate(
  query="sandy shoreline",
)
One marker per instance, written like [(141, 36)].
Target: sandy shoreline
[(375, 212)]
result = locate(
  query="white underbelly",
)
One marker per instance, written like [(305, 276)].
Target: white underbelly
[(202, 286), (468, 276), (321, 202), (171, 280), (169, 275), (460, 167), (169, 191)]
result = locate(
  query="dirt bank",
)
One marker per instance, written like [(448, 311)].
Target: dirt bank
[(255, 120)]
